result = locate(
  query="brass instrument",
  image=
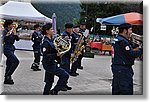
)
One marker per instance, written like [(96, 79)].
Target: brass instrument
[(11, 31), (61, 45), (78, 49), (135, 38)]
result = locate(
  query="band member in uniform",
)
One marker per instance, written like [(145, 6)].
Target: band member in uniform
[(82, 30), (9, 38), (37, 40), (123, 57), (75, 38), (50, 61), (65, 60)]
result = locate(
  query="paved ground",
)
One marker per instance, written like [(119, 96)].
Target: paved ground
[(1, 78), (94, 79)]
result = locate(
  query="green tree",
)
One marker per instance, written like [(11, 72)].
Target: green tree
[(65, 12), (91, 11)]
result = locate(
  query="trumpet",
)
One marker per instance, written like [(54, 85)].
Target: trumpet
[(135, 38), (11, 31)]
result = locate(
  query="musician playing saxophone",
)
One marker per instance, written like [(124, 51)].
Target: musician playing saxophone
[(9, 38), (81, 31), (75, 37)]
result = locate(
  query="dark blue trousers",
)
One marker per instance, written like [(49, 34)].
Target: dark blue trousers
[(75, 65), (37, 53), (80, 59), (11, 63), (122, 83), (49, 78), (65, 63)]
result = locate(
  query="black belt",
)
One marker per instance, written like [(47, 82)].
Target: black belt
[(127, 65)]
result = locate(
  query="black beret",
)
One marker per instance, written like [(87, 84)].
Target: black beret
[(82, 23), (8, 22), (75, 26), (125, 26), (36, 26), (45, 27), (68, 25)]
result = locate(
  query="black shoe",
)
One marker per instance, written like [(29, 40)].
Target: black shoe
[(77, 73), (53, 92), (38, 69), (64, 89), (74, 74), (68, 87), (35, 68), (80, 67), (8, 80)]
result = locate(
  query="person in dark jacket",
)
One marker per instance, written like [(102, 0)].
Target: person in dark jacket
[(75, 38), (37, 40), (123, 57), (9, 38), (65, 59), (50, 60), (81, 31), (67, 35)]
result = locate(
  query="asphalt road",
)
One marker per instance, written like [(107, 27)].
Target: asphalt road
[(94, 79)]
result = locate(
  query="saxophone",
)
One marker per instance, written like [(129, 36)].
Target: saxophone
[(78, 49)]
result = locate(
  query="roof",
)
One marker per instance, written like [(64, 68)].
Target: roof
[(22, 11)]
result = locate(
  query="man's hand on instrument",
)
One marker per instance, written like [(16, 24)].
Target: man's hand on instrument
[(8, 33), (66, 37), (82, 41), (72, 55), (14, 31), (58, 54)]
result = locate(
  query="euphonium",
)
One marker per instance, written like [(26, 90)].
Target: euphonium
[(61, 45), (135, 38)]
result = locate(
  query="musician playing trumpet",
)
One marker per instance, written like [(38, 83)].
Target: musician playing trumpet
[(9, 38), (136, 40), (123, 57)]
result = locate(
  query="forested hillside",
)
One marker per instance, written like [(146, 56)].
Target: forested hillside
[(65, 12)]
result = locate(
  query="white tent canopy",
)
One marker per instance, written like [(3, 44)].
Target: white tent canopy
[(22, 11)]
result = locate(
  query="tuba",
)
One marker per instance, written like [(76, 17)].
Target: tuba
[(62, 45), (135, 38)]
